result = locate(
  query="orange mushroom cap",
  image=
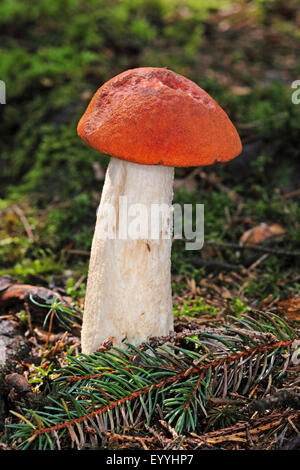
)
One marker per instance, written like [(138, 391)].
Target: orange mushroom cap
[(154, 116)]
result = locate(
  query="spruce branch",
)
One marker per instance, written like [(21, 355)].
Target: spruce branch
[(109, 390)]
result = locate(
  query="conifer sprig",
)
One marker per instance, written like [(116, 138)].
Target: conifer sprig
[(108, 391)]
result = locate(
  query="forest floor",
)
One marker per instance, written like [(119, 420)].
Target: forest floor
[(246, 55)]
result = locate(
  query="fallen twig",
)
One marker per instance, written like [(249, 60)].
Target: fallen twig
[(261, 249), (12, 292), (138, 439), (281, 399), (24, 221), (216, 265), (292, 194), (239, 431)]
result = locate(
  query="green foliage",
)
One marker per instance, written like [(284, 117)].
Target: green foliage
[(65, 316), (45, 264), (118, 388), (239, 307), (54, 55), (38, 374), (223, 416), (74, 290), (194, 308)]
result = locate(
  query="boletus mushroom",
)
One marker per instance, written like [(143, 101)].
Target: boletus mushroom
[(149, 120)]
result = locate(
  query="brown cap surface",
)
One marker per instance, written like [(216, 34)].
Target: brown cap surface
[(154, 116)]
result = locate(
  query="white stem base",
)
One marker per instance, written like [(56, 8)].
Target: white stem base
[(129, 284)]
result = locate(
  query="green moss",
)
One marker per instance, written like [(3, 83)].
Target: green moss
[(194, 308), (58, 53)]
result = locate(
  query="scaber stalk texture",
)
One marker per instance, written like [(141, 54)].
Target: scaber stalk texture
[(129, 284)]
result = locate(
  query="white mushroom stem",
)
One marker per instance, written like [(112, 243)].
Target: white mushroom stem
[(129, 283)]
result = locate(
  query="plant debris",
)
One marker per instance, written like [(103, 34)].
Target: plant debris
[(236, 302)]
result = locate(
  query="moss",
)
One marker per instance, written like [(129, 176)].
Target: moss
[(58, 53)]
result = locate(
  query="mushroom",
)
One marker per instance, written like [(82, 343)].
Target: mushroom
[(149, 120)]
